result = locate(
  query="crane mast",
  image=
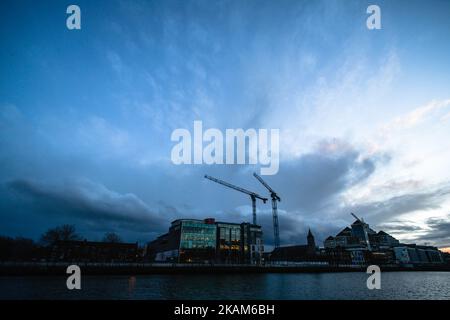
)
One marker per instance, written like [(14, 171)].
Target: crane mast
[(354, 215), (253, 195), (275, 199)]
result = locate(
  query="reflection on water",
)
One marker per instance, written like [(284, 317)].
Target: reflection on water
[(394, 285), (131, 284)]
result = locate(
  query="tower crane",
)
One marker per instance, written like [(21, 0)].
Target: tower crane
[(354, 215), (275, 200), (253, 195)]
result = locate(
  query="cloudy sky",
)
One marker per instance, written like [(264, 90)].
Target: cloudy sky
[(86, 116)]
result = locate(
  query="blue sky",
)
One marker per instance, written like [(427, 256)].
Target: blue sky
[(86, 115)]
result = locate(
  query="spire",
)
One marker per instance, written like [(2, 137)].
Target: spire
[(311, 242)]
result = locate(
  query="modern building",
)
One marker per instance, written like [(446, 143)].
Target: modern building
[(188, 240), (208, 241), (446, 257), (358, 254), (343, 239), (381, 257), (229, 243), (411, 254), (368, 246), (360, 234), (336, 256), (383, 240), (252, 243)]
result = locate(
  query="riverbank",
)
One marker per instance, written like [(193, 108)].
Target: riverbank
[(55, 268)]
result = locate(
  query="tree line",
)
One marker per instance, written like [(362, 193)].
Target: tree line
[(24, 249)]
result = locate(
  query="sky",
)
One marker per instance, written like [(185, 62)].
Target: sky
[(86, 115)]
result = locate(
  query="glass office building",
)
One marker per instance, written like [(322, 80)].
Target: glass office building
[(252, 241), (208, 241), (197, 240), (197, 235), (229, 243), (361, 231)]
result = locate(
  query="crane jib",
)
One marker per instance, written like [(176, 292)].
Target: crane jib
[(253, 195)]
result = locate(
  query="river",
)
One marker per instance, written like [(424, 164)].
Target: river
[(352, 285)]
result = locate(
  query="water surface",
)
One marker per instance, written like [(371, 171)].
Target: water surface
[(394, 285)]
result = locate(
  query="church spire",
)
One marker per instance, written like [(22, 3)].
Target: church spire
[(311, 242)]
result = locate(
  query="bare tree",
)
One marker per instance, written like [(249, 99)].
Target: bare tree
[(65, 232), (112, 237)]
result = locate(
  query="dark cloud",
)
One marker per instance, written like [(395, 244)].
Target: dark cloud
[(314, 180), (380, 211), (90, 205), (395, 209), (399, 227), (306, 185), (310, 187), (439, 231)]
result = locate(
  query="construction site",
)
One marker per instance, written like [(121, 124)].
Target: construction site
[(207, 241), (211, 241)]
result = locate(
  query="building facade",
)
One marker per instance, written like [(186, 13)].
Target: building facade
[(230, 245), (411, 254), (367, 246), (297, 253), (208, 241), (252, 241)]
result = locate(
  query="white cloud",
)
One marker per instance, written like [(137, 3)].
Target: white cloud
[(416, 116)]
